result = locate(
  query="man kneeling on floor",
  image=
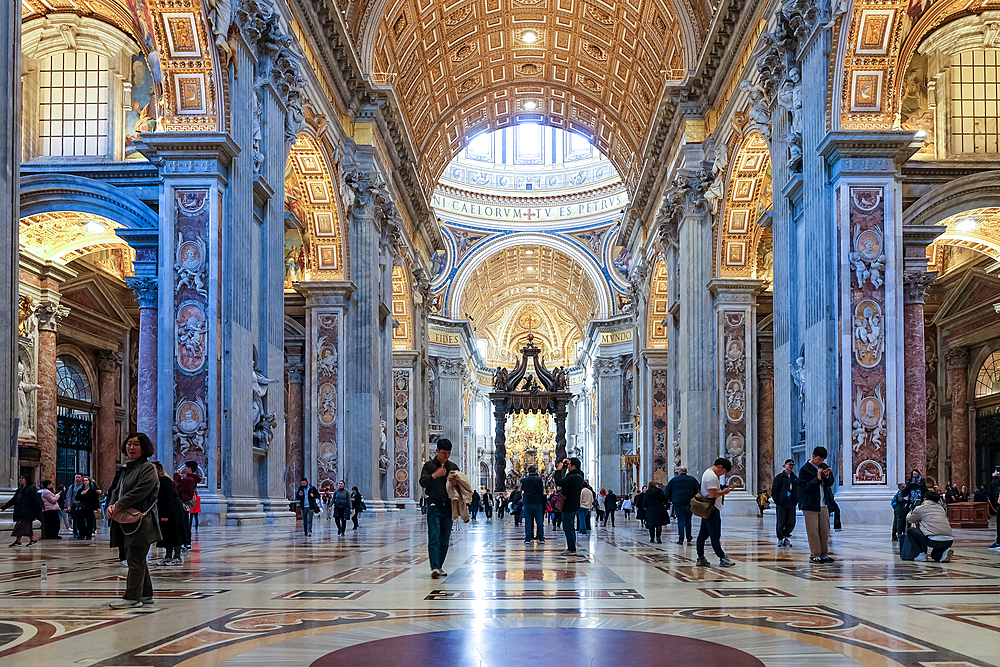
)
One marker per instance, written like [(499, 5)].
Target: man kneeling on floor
[(931, 529)]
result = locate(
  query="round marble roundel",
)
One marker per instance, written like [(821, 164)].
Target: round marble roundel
[(543, 646)]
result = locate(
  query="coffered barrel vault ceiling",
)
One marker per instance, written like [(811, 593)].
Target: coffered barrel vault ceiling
[(461, 68), (554, 287)]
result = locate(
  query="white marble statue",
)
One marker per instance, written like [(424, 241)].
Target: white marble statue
[(24, 388)]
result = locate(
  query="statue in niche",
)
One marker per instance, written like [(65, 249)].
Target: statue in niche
[(715, 193), (626, 414), (220, 17), (799, 380), (264, 423), (531, 385), (258, 137), (790, 98), (24, 389), (758, 113), (383, 451)]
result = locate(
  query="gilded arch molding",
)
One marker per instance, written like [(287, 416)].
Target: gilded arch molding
[(748, 196)]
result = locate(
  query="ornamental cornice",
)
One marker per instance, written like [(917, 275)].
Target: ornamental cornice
[(499, 198)]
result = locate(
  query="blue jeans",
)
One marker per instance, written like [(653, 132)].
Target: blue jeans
[(570, 529), (438, 533), (307, 519), (534, 515), (581, 520), (683, 514)]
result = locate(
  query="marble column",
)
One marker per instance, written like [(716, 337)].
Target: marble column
[(108, 447), (914, 369), (451, 375), (736, 342), (10, 160), (609, 401), (146, 292), (765, 420), (669, 241), (697, 381), (49, 315), (959, 450), (294, 455), (368, 204)]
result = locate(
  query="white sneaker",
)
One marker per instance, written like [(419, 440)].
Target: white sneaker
[(442, 573), (946, 556), (921, 558), (125, 604), (148, 600), (435, 573)]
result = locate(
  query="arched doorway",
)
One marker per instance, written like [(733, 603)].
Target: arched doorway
[(76, 406)]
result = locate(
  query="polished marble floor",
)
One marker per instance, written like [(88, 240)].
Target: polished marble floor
[(270, 596)]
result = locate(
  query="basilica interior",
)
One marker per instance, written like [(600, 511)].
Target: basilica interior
[(310, 238)]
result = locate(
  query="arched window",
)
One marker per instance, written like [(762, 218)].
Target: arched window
[(87, 90), (988, 380), (71, 379)]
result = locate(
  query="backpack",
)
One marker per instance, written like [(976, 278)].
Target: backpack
[(558, 500)]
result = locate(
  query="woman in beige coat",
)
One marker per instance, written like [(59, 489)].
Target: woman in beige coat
[(136, 490)]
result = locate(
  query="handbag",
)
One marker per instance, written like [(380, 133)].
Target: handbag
[(702, 506), (188, 505), (130, 516)]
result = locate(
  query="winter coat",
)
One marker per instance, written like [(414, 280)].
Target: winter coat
[(931, 519), (681, 489), (357, 500), (533, 490), (50, 501), (785, 490), (611, 502), (307, 498), (656, 507), (187, 486), (138, 489), (26, 503), (87, 500), (571, 483), (809, 486), (436, 487), (171, 512)]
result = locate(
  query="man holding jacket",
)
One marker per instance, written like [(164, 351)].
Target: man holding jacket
[(815, 491), (434, 481), (784, 493)]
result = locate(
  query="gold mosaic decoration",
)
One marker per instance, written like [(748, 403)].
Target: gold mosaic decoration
[(659, 302), (64, 236), (748, 195), (310, 194), (467, 67), (529, 288), (984, 237), (402, 332)]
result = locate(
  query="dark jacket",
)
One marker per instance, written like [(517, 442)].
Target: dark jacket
[(916, 491), (785, 491), (356, 500), (809, 487), (87, 501), (26, 503), (476, 500), (138, 489), (995, 491), (611, 502), (681, 489), (169, 507), (571, 484), (307, 498), (640, 506), (533, 490), (436, 489), (656, 507)]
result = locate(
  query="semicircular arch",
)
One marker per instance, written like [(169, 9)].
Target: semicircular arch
[(482, 252), (52, 193), (748, 196)]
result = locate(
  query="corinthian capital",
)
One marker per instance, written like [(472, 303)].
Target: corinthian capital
[(915, 285), (109, 361), (957, 357), (145, 290), (49, 314)]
